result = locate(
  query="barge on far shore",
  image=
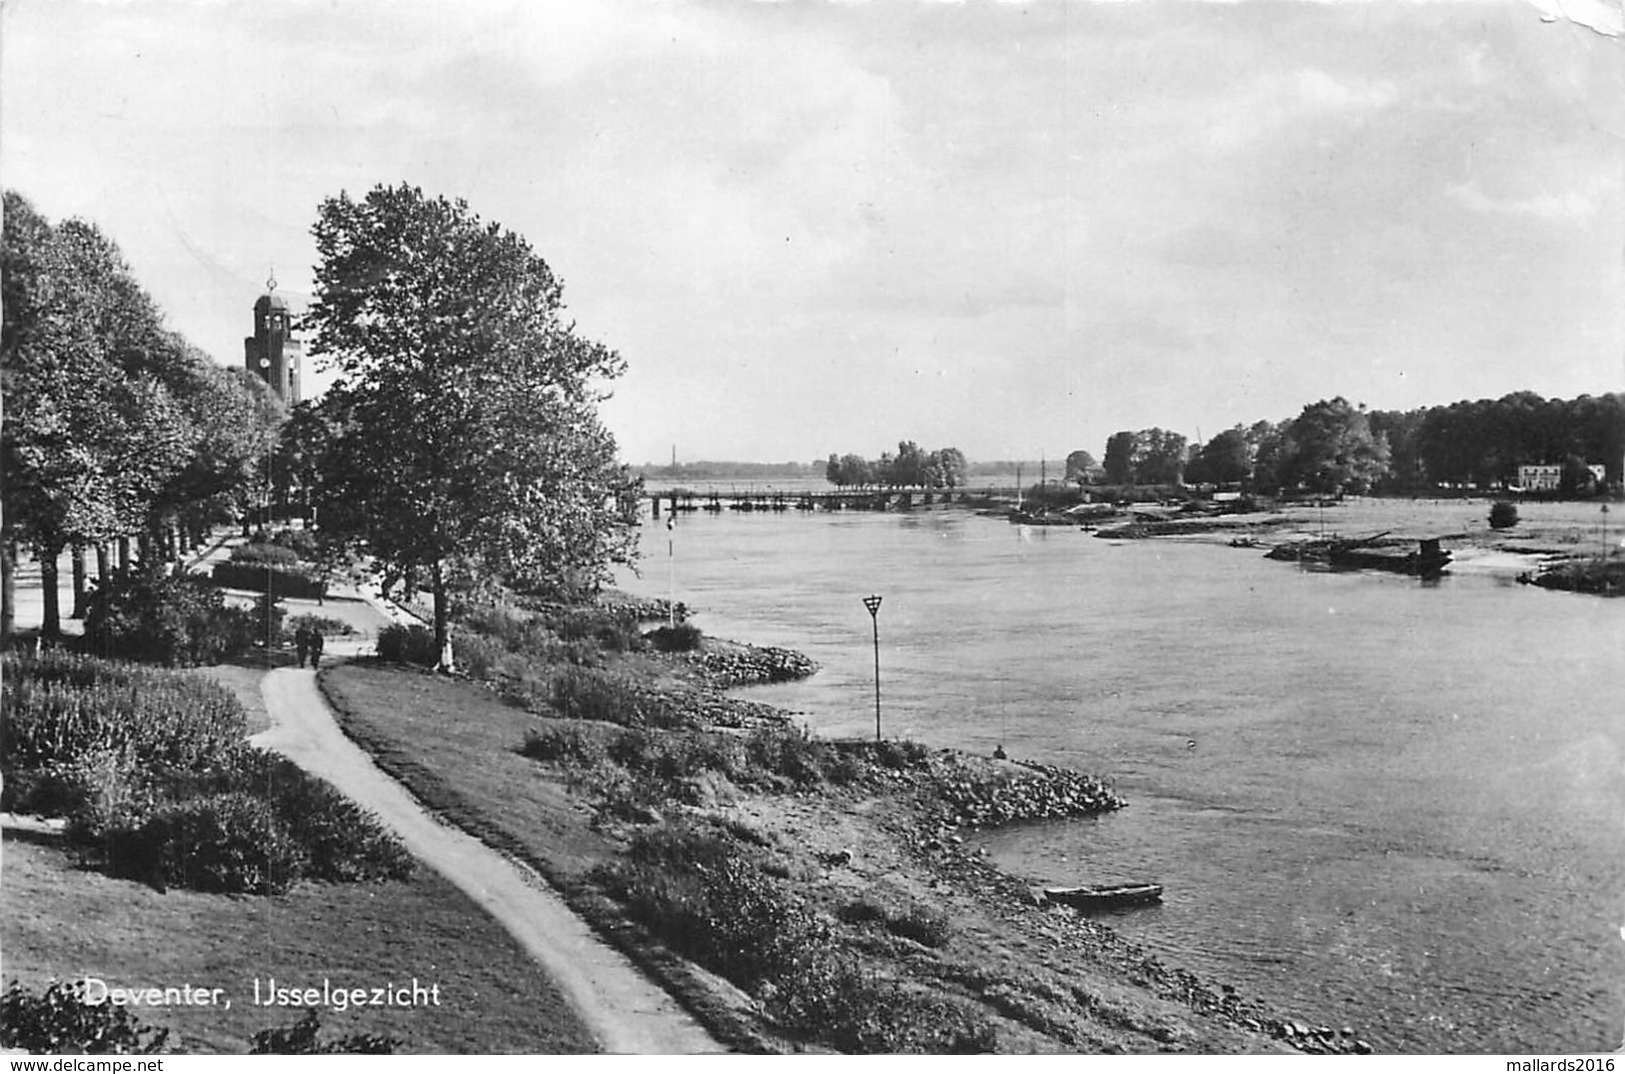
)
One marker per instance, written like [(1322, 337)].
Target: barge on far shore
[(1427, 560)]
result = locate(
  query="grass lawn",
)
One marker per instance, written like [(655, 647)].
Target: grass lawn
[(456, 746), (65, 922)]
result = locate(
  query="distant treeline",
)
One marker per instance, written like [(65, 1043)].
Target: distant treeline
[(1335, 446), (709, 470)]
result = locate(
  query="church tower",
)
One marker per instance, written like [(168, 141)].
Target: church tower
[(271, 351)]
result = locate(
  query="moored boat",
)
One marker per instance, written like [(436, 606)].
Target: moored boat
[(1104, 896)]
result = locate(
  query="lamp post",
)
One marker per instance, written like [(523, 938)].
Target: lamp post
[(873, 604), (671, 567)]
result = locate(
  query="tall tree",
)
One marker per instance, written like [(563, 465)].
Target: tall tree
[(1122, 449), (1330, 449), (467, 401), (91, 432), (1080, 465)]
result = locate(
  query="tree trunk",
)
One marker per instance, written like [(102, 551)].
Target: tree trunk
[(8, 589), (78, 582), (124, 554), (442, 627), (51, 620), (104, 565)]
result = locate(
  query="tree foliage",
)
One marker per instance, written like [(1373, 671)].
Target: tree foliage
[(113, 424), (465, 404)]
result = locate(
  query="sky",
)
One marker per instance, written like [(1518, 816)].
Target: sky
[(813, 226)]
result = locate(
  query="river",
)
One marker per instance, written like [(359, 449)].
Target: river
[(1373, 801)]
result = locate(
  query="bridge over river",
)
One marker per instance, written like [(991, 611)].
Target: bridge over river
[(677, 501)]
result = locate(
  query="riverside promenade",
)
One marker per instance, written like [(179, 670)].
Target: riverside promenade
[(625, 1011)]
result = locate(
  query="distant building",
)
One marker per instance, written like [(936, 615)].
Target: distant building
[(1540, 478), (271, 351), (1547, 478)]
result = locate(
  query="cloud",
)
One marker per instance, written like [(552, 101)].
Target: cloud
[(1567, 206)]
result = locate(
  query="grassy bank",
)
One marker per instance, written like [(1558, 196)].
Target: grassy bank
[(66, 923), (795, 893), (182, 856)]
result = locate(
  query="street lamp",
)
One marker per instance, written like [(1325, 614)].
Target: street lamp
[(873, 604)]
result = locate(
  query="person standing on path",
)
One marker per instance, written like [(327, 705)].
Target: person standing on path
[(315, 640), (301, 642)]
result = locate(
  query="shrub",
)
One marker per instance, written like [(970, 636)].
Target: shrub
[(861, 911), (264, 554), (321, 624), (1503, 515), (408, 645), (561, 744), (592, 694), (833, 1001), (300, 1038), (305, 544), (480, 655), (338, 839), (682, 638), (231, 842), (176, 619), (60, 1021), (285, 581), (105, 793), (693, 890), (790, 753), (59, 706), (921, 924), (612, 628)]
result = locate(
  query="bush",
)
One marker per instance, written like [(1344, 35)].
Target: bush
[(61, 1022), (305, 544), (301, 1039), (1503, 515), (408, 645), (479, 655), (106, 792), (561, 744), (682, 638), (861, 911), (286, 581), (231, 842), (264, 554), (693, 890), (176, 620), (833, 1001), (591, 694), (921, 924), (60, 706), (612, 628), (338, 839), (791, 753), (321, 624)]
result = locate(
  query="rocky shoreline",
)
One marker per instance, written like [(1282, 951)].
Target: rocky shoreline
[(938, 799)]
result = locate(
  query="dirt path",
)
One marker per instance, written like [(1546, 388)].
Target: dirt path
[(626, 1012)]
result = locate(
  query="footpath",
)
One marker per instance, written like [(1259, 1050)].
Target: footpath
[(625, 1011)]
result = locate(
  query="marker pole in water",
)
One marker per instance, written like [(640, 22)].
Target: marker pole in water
[(671, 568)]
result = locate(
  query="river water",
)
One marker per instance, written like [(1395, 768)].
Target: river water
[(1372, 801)]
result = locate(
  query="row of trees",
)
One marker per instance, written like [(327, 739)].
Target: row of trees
[(910, 467), (116, 429), (1334, 446), (459, 444)]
